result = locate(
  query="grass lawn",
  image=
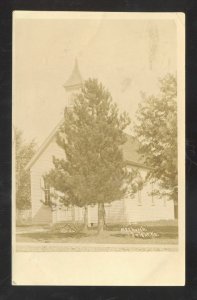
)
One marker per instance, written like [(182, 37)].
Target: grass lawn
[(167, 235)]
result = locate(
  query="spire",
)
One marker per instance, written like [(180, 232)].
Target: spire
[(75, 78)]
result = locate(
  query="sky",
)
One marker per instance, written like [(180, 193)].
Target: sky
[(126, 55)]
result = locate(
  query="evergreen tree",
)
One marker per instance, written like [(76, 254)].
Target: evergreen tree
[(24, 152), (93, 171), (156, 129)]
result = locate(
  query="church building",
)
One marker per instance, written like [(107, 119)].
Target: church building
[(141, 206)]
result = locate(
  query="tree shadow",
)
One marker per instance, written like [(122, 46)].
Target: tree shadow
[(53, 235)]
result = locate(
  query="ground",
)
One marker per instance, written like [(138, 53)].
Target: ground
[(42, 238)]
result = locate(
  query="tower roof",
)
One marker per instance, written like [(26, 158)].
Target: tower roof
[(75, 78)]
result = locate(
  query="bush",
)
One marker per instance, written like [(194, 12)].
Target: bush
[(140, 232), (67, 227)]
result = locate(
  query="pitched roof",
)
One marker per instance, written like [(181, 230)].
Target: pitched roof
[(44, 145), (131, 154), (130, 150), (75, 78)]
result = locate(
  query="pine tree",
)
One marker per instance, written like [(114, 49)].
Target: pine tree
[(24, 152), (93, 171), (156, 129)]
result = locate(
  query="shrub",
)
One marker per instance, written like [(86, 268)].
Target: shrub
[(67, 227), (140, 232)]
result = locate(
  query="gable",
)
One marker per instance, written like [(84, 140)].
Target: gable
[(130, 150), (44, 146), (44, 162)]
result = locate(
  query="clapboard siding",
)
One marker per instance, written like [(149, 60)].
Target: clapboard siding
[(149, 208), (63, 214), (92, 214), (43, 215), (121, 211), (115, 212), (43, 164)]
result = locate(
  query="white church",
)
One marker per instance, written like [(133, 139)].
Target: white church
[(141, 206)]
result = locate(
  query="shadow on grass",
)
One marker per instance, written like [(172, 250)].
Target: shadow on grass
[(91, 237), (53, 235)]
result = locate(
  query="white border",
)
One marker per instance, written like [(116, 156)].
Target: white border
[(112, 268)]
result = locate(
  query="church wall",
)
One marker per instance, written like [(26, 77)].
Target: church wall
[(41, 166), (92, 214), (145, 207), (129, 209), (115, 212)]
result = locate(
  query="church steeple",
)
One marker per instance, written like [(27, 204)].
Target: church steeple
[(73, 84), (75, 80)]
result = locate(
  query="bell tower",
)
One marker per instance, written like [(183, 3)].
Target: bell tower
[(73, 84)]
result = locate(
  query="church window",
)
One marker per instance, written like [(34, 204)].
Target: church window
[(152, 194), (139, 186), (71, 98), (46, 192), (164, 201), (139, 197)]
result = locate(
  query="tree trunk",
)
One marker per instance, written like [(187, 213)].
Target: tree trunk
[(175, 210), (101, 214), (85, 218)]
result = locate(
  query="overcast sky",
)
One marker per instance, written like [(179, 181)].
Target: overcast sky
[(127, 56)]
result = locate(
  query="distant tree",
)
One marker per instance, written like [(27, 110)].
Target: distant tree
[(93, 171), (24, 152), (156, 129)]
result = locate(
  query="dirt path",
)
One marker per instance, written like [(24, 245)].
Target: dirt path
[(63, 247)]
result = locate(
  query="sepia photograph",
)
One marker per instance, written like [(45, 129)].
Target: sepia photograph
[(98, 141)]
